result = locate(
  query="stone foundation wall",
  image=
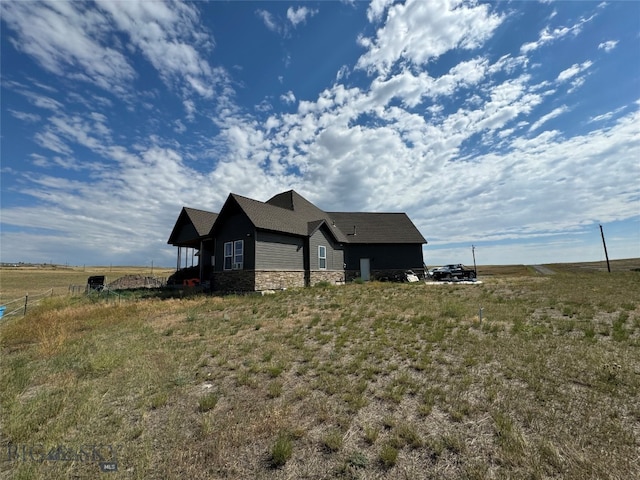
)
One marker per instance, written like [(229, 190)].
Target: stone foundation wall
[(251, 280), (278, 280), (330, 276), (233, 281)]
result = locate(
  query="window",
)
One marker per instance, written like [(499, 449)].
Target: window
[(234, 255), (322, 257), (238, 254), (228, 255)]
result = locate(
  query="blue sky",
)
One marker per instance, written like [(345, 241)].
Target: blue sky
[(511, 126)]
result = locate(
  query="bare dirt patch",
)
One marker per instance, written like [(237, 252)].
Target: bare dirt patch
[(136, 281)]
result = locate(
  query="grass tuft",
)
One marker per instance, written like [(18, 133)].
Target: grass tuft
[(281, 450), (208, 402)]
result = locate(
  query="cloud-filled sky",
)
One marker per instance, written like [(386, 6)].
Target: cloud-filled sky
[(510, 126)]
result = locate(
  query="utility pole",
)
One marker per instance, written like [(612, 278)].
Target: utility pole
[(473, 252), (605, 249)]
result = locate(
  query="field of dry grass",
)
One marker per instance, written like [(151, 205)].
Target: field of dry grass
[(359, 381), (16, 282)]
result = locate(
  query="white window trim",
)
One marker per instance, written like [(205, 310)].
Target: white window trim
[(225, 256), (234, 248), (320, 257), (235, 264)]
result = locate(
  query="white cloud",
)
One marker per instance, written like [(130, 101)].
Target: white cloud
[(42, 101), (24, 116), (169, 37), (53, 142), (419, 31), (179, 127), (299, 15), (190, 109), (545, 118), (548, 35), (343, 72), (288, 97), (574, 70), (607, 116), (75, 40), (377, 8), (268, 20), (62, 35), (608, 45)]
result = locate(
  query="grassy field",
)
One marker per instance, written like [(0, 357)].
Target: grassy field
[(398, 381), (16, 282)]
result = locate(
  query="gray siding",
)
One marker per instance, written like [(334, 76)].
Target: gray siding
[(276, 251), (335, 254)]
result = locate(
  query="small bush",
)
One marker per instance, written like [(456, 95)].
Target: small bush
[(371, 434), (388, 456), (208, 402), (158, 401), (275, 389), (358, 460), (281, 450), (333, 441), (409, 435)]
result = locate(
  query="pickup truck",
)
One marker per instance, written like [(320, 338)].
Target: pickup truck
[(452, 271)]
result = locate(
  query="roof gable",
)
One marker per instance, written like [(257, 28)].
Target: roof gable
[(193, 223), (287, 212), (201, 219)]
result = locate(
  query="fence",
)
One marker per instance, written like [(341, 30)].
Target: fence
[(19, 306)]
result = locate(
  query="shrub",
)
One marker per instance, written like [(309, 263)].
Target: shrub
[(388, 456), (208, 402), (333, 441), (281, 450)]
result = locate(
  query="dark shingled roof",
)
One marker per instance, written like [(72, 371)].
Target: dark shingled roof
[(377, 227), (289, 212), (201, 220), (286, 212)]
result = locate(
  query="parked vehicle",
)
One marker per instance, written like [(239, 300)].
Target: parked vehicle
[(454, 271), (96, 282)]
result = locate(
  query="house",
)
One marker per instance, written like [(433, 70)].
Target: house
[(289, 242)]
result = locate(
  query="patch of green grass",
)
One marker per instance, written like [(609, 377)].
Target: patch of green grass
[(358, 459), (158, 400), (208, 402), (333, 440), (388, 456), (619, 332), (275, 389), (408, 436), (281, 450), (371, 434)]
